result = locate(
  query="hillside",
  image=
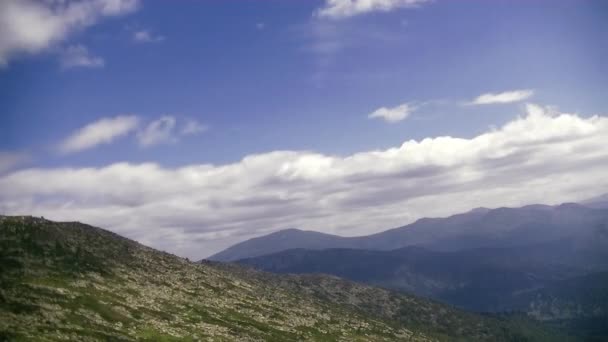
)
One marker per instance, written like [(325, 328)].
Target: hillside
[(70, 281), (484, 279), (578, 304), (483, 228)]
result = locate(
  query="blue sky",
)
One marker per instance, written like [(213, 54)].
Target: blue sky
[(104, 89)]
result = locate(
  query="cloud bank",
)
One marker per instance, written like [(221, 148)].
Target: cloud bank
[(543, 156)]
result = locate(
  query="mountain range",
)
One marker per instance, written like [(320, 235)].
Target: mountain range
[(534, 259), (479, 228)]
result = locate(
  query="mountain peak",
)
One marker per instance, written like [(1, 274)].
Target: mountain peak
[(288, 231), (275, 242)]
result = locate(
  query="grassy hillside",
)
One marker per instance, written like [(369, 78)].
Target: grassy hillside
[(70, 281)]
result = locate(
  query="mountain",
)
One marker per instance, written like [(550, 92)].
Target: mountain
[(480, 228), (71, 281), (547, 282), (484, 279), (563, 283), (597, 202), (276, 242)]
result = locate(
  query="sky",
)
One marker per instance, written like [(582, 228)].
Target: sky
[(193, 125)]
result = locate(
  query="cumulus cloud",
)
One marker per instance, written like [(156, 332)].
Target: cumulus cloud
[(78, 56), (543, 156), (392, 115), (30, 26), (103, 131), (145, 36), (160, 131), (504, 97), (337, 9)]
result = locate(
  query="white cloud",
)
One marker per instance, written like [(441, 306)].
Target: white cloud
[(193, 127), (542, 157), (337, 9), (504, 97), (260, 26), (160, 131), (103, 131), (394, 114), (30, 26), (78, 56), (144, 36), (106, 130)]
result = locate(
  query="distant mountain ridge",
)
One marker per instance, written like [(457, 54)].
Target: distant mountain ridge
[(277, 241), (597, 202), (478, 228), (547, 261)]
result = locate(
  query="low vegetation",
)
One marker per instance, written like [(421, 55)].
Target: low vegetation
[(70, 281)]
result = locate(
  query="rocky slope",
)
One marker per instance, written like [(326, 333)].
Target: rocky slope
[(70, 281)]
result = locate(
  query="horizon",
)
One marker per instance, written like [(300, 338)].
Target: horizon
[(262, 235), (191, 127)]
